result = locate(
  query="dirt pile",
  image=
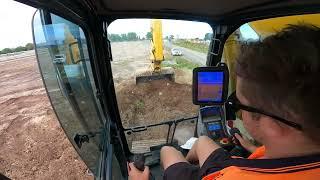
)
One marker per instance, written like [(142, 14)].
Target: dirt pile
[(150, 103), (154, 102)]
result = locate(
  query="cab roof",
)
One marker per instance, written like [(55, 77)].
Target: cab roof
[(213, 10), (200, 7)]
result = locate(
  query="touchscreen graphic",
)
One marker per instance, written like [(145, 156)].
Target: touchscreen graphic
[(210, 86)]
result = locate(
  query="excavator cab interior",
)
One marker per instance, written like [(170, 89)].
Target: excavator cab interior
[(80, 60), (210, 92)]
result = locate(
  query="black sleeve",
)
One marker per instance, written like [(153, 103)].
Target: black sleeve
[(214, 162)]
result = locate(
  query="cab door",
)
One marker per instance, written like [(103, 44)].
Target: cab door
[(71, 54)]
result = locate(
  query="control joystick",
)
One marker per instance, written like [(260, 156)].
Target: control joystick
[(233, 131), (138, 161), (238, 150)]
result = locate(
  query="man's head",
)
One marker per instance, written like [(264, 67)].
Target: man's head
[(281, 75)]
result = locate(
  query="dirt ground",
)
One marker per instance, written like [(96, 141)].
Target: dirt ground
[(129, 58), (33, 145), (154, 102)]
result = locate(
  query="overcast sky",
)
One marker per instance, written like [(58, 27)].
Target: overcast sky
[(16, 29), (183, 29), (15, 19)]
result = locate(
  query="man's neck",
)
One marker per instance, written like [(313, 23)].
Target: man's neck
[(285, 149)]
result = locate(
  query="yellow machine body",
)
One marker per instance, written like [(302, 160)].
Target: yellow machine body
[(270, 26), (72, 47), (263, 28)]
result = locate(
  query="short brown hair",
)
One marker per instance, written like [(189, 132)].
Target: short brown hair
[(282, 75)]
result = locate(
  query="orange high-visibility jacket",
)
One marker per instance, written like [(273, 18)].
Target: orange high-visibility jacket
[(307, 167)]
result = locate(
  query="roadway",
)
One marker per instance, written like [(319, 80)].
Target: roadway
[(194, 56)]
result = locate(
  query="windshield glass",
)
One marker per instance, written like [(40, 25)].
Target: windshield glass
[(69, 83), (142, 48)]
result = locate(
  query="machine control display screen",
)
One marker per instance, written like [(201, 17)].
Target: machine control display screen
[(214, 126), (210, 111), (215, 130), (210, 86)]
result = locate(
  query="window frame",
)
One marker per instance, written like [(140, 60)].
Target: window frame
[(103, 113)]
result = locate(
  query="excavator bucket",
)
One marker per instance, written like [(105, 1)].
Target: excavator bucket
[(147, 76)]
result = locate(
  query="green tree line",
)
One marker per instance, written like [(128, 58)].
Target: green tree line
[(131, 36), (27, 47)]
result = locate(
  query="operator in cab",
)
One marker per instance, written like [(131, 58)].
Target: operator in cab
[(277, 93)]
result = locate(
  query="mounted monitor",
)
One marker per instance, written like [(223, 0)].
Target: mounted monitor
[(210, 85)]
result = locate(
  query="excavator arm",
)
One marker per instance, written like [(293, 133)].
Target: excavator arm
[(156, 57), (156, 45)]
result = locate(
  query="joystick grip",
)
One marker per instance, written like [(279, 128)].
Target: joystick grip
[(138, 161), (233, 131), (238, 150)]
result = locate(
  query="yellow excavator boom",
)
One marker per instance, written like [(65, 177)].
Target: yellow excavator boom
[(156, 45), (156, 56)]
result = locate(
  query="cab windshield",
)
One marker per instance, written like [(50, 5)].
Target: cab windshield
[(137, 45)]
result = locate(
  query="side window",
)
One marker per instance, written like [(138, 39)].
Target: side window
[(257, 31), (231, 48), (247, 33), (64, 62), (152, 68)]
